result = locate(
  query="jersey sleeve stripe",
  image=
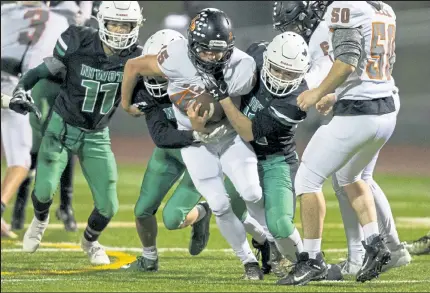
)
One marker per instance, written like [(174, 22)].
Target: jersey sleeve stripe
[(283, 117), (62, 44), (59, 51)]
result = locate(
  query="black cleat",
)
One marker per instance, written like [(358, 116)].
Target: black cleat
[(334, 272), (253, 271), (68, 218), (263, 250), (377, 255), (200, 232), (306, 270)]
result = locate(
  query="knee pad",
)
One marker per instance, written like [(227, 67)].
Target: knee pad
[(109, 209), (307, 181), (253, 193), (173, 218), (220, 205), (282, 227)]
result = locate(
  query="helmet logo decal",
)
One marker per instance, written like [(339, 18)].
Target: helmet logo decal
[(230, 36), (193, 23)]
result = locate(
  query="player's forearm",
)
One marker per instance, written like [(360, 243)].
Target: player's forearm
[(129, 81), (29, 80), (240, 123), (336, 77)]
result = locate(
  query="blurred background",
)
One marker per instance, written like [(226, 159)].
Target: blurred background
[(252, 22)]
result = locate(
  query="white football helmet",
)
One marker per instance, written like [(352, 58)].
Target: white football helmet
[(285, 64), (124, 11), (157, 85)]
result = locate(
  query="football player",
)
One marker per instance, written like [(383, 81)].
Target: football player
[(23, 47), (93, 62), (268, 118), (191, 68), (166, 167), (364, 119), (44, 94), (306, 18)]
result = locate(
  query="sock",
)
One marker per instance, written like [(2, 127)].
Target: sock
[(150, 252), (291, 245), (3, 207), (41, 210), (254, 229), (96, 224), (351, 225), (202, 212), (370, 231), (386, 223), (66, 185), (22, 198), (234, 232), (312, 247)]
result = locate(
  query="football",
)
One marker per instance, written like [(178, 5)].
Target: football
[(216, 112)]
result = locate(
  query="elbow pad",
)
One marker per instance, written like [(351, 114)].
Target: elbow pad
[(347, 45)]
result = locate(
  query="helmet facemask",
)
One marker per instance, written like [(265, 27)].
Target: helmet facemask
[(156, 86), (280, 86), (119, 12), (209, 66)]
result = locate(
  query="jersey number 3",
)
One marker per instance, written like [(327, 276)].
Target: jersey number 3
[(92, 92), (382, 46)]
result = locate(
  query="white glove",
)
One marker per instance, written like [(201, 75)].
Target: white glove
[(212, 137)]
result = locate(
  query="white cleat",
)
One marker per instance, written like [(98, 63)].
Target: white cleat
[(33, 235), (399, 257), (95, 252)]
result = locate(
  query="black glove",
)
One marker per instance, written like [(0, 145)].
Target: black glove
[(220, 90), (23, 103)]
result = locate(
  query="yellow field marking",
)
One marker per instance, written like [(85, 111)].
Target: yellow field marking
[(121, 259)]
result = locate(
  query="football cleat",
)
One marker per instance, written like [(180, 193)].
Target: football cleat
[(96, 253), (200, 232), (399, 257), (336, 272), (263, 250), (142, 264), (306, 270), (420, 246), (377, 254), (253, 271), (67, 217), (33, 235), (276, 261)]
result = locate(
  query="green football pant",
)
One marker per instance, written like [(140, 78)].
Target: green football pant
[(44, 94), (164, 169), (277, 179), (96, 158)]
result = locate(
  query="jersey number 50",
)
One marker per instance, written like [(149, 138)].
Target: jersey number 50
[(382, 46)]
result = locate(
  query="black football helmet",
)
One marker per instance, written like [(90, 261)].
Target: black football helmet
[(301, 17), (210, 30)]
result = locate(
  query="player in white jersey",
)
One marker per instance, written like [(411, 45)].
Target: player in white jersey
[(24, 45), (306, 18), (191, 67), (364, 119)]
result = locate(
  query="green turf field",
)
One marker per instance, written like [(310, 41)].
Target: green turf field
[(60, 265)]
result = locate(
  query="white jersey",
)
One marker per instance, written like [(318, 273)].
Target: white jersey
[(185, 83), (321, 61), (372, 77), (30, 33)]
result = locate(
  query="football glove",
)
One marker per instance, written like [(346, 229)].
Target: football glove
[(22, 103)]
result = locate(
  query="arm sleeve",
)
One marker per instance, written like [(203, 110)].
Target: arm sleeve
[(163, 133), (29, 80)]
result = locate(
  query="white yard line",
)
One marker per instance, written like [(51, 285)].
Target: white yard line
[(401, 222)]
